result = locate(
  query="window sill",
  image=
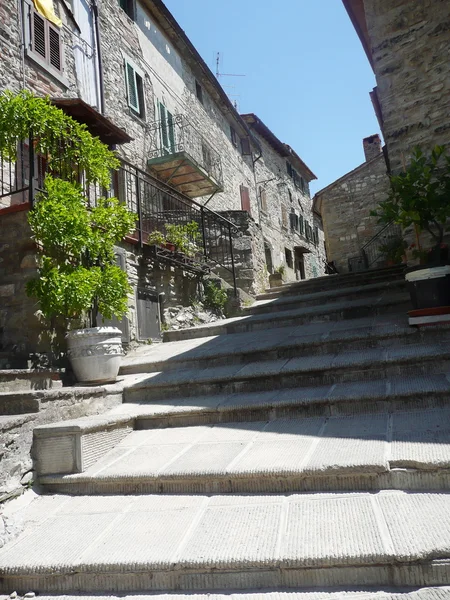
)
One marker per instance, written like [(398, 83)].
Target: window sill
[(36, 59)]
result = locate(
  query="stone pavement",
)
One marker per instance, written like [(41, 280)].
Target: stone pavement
[(301, 450)]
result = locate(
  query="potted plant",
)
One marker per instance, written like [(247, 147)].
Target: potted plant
[(276, 278), (77, 279), (183, 237), (419, 198), (157, 238), (394, 251)]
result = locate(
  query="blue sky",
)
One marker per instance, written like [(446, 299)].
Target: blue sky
[(306, 74)]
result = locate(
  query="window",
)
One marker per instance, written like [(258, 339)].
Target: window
[(293, 221), (301, 225), (167, 130), (263, 198), (290, 196), (44, 42), (245, 199), (199, 91), (316, 235), (289, 260), (135, 89), (284, 217), (308, 231), (245, 147), (129, 7), (234, 137)]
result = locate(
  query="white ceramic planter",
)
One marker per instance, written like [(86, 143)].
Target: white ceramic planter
[(95, 354)]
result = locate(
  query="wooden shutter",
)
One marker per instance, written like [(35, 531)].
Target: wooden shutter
[(245, 145), (245, 199), (301, 226), (54, 45), (132, 91), (38, 34)]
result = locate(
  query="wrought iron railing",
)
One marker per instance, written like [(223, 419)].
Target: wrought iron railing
[(156, 205), (175, 134), (372, 251)]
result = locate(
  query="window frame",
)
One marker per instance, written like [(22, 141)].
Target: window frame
[(199, 92), (44, 62), (139, 109)]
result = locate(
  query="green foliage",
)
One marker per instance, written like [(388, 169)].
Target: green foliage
[(420, 195), (77, 273), (280, 270), (54, 134), (156, 237), (184, 237), (394, 249), (215, 298)]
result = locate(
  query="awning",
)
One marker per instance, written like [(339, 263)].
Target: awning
[(97, 123)]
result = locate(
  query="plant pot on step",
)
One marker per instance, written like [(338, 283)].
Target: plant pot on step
[(429, 289), (275, 280), (95, 354)]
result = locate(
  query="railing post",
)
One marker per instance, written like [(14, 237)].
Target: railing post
[(139, 210), (232, 259), (31, 181), (202, 212)]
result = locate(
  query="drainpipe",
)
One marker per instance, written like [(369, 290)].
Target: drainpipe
[(99, 54), (256, 186)]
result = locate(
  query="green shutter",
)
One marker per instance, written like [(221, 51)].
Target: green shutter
[(132, 91)]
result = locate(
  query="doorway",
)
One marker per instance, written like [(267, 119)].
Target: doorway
[(299, 264)]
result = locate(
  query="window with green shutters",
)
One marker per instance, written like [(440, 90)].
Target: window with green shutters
[(167, 129), (135, 89)]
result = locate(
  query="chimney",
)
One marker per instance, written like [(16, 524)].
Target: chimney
[(372, 146)]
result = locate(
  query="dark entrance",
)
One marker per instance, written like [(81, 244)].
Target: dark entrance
[(299, 254)]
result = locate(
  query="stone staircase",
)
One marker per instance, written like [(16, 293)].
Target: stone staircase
[(301, 448)]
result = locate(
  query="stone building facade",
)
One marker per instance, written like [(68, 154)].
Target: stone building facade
[(345, 207), (407, 46), (129, 72), (292, 232)]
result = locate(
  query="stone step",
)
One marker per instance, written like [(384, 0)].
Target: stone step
[(279, 374), (383, 304), (72, 446), (330, 282), (288, 302), (101, 544), (434, 593), (305, 340), (13, 380), (403, 450)]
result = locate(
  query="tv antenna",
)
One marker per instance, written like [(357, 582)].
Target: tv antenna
[(219, 74)]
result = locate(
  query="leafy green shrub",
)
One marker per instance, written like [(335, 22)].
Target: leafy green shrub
[(184, 237), (394, 249), (215, 298), (76, 273)]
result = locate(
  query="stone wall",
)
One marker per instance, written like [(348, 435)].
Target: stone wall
[(21, 331), (345, 207), (410, 42), (249, 258), (282, 197)]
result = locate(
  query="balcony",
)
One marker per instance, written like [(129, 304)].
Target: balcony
[(183, 159)]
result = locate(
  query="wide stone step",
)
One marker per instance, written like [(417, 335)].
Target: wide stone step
[(428, 593), (369, 364), (384, 304), (305, 340), (403, 450), (340, 294), (72, 446), (14, 380), (330, 282), (169, 543)]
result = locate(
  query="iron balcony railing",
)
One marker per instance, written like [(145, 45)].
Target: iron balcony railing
[(176, 135), (371, 251), (156, 205)]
